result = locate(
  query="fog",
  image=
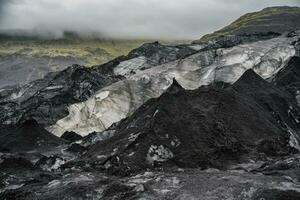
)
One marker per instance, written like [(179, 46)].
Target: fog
[(159, 19)]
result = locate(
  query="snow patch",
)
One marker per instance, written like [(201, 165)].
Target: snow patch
[(103, 136), (102, 95), (158, 154), (197, 47), (131, 154), (175, 142), (155, 113), (298, 97), (128, 67), (54, 87), (124, 97), (293, 140), (107, 165), (82, 178), (53, 184), (133, 136), (14, 187), (101, 157), (248, 193), (57, 164), (285, 186), (14, 96)]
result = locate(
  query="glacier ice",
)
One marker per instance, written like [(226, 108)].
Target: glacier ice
[(119, 100)]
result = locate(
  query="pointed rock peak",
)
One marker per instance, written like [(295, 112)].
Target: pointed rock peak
[(250, 73), (156, 43), (292, 66), (250, 78), (175, 87), (290, 74), (30, 123), (152, 45), (71, 69), (77, 66), (71, 136), (294, 60)]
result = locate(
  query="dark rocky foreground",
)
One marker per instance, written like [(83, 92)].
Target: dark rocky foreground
[(220, 141), (208, 127), (27, 136)]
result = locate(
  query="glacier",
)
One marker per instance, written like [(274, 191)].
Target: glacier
[(119, 100)]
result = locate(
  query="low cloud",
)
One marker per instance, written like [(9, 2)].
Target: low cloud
[(173, 19), (3, 3)]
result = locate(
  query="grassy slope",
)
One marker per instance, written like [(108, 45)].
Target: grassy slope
[(250, 18), (90, 51), (24, 59)]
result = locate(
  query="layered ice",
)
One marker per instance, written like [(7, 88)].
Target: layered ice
[(119, 100)]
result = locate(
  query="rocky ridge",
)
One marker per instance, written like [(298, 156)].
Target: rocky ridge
[(121, 99), (194, 128), (269, 21), (46, 100), (250, 154)]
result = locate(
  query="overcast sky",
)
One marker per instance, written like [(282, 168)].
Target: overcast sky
[(174, 19)]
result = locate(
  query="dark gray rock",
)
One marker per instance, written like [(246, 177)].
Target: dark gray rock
[(207, 127), (274, 194), (289, 76), (46, 100), (76, 148), (159, 54), (71, 136), (27, 136), (16, 164)]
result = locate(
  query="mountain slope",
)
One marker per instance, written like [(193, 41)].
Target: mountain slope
[(206, 127), (272, 19), (119, 100), (27, 136), (23, 59), (46, 100), (289, 76), (249, 129)]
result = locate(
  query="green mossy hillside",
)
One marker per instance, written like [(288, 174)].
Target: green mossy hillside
[(252, 19)]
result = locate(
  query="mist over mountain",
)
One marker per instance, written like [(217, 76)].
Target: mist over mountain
[(150, 19)]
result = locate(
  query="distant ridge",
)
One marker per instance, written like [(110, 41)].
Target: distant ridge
[(269, 20)]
